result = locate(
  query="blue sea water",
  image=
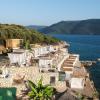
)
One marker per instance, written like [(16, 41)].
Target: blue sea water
[(88, 46)]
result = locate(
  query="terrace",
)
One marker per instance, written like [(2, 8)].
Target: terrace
[(70, 62)]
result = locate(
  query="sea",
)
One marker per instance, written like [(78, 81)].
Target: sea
[(88, 46)]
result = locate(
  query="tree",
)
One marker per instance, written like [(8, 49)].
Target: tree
[(40, 91), (27, 45), (20, 32)]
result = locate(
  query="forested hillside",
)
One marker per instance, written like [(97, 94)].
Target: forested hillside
[(17, 31), (87, 27)]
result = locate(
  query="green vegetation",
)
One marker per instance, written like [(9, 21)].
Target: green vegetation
[(96, 95), (87, 27), (16, 31), (39, 91), (27, 45)]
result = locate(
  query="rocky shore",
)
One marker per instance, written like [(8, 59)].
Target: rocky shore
[(88, 63)]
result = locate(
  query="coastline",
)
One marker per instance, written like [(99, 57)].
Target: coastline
[(61, 85), (88, 47), (68, 63)]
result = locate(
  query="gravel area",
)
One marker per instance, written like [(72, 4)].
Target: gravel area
[(31, 73)]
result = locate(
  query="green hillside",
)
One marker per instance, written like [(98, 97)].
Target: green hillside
[(17, 31), (88, 27)]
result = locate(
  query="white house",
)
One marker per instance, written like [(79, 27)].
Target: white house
[(41, 50), (46, 63), (22, 58), (77, 83), (52, 59), (69, 64)]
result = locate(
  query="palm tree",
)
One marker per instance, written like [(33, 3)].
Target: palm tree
[(40, 91)]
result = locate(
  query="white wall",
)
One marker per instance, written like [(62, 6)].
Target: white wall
[(42, 50), (77, 83), (68, 74), (60, 63), (44, 63)]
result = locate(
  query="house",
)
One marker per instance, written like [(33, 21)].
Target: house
[(77, 83), (45, 62), (78, 78), (69, 64), (14, 43), (20, 57), (60, 45), (51, 60), (68, 72), (41, 50), (17, 58)]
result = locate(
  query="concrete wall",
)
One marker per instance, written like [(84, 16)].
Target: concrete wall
[(45, 63), (2, 48), (13, 43), (77, 83)]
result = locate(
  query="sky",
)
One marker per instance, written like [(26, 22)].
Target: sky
[(47, 12)]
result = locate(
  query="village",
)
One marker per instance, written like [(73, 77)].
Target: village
[(54, 63)]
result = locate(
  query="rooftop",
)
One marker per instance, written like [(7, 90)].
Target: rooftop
[(79, 72), (51, 55), (69, 62)]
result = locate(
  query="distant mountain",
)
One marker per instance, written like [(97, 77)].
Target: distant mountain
[(36, 27), (89, 27)]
